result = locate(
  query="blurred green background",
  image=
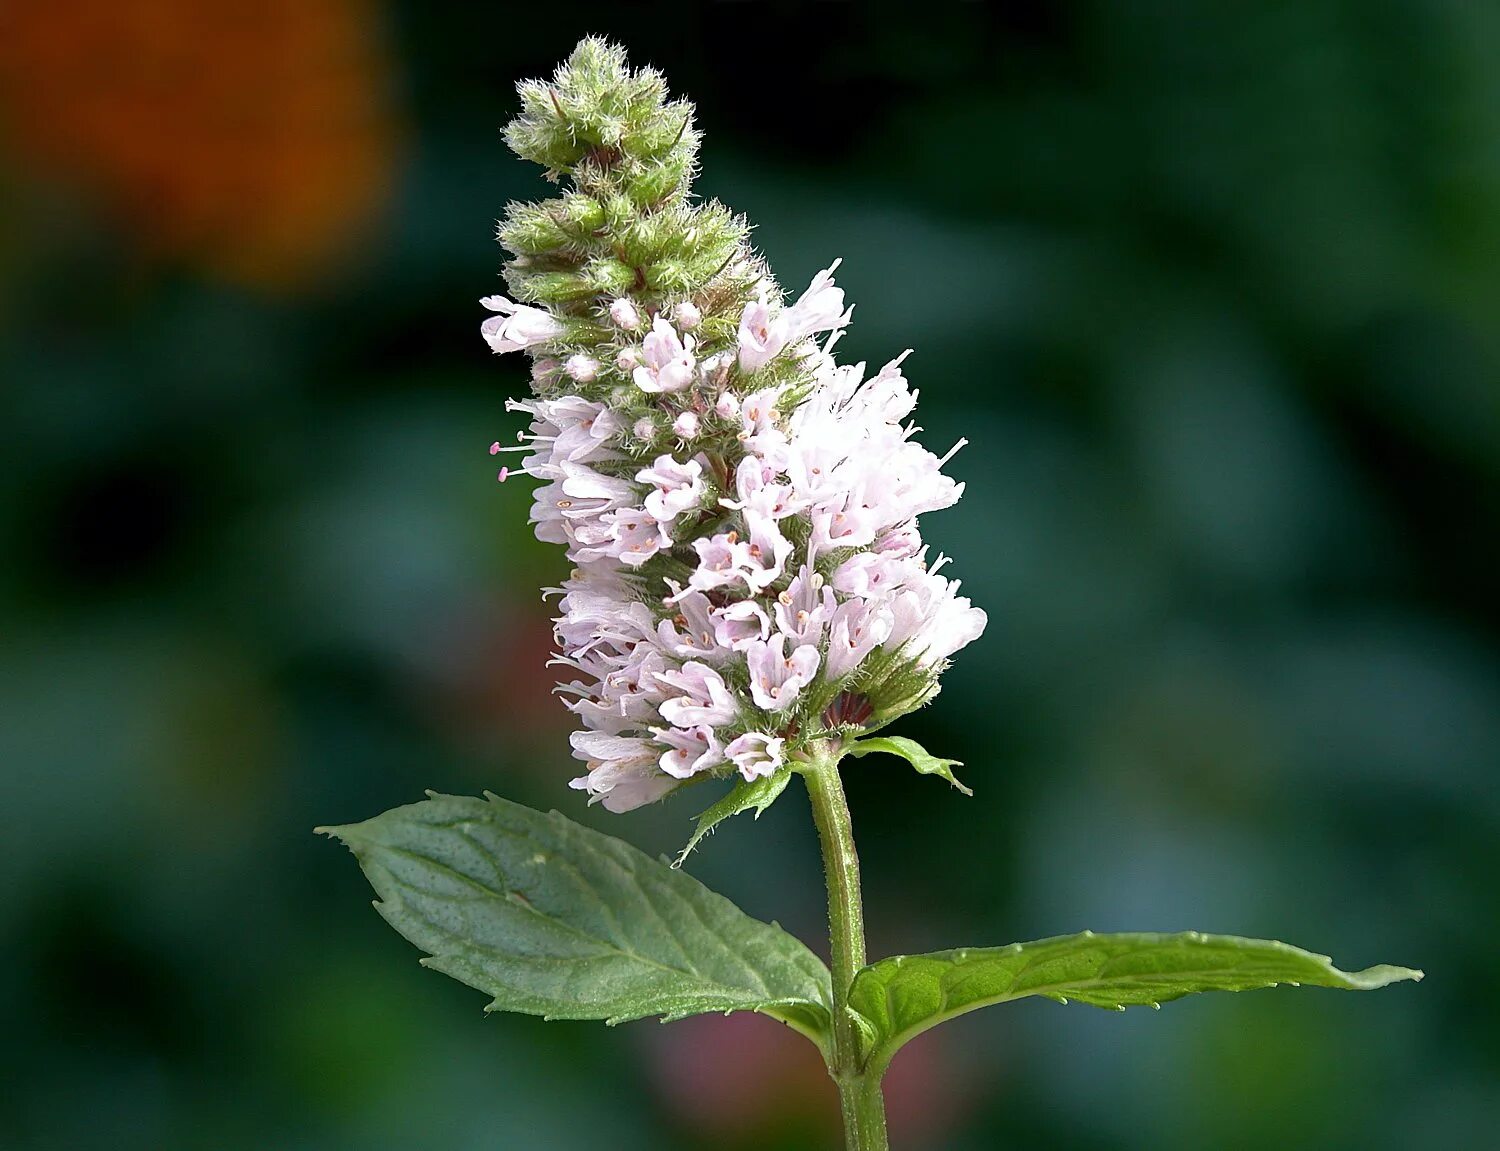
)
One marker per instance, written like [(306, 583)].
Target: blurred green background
[(1212, 289)]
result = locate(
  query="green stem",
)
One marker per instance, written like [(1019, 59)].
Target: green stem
[(859, 1093)]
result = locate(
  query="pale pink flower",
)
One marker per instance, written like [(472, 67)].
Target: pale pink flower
[(694, 632), (636, 536), (777, 679), (765, 330), (704, 699), (722, 559), (624, 314), (762, 335), (581, 368), (689, 751), (517, 326), (819, 308), (756, 755), (932, 619), (857, 629), (766, 553), (676, 487), (873, 574), (667, 360), (805, 607), (740, 624), (758, 413), (622, 787), (900, 542)]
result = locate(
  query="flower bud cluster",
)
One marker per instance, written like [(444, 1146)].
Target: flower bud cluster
[(740, 510)]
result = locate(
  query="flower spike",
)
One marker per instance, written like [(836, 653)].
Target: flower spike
[(741, 510)]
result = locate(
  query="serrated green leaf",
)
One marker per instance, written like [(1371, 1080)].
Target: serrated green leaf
[(905, 995), (554, 919), (913, 752), (745, 794)]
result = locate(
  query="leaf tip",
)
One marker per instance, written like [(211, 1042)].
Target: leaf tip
[(345, 833), (1384, 975)]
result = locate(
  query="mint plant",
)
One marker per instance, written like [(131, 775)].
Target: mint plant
[(750, 601)]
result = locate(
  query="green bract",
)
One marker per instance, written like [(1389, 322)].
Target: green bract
[(914, 753), (758, 794)]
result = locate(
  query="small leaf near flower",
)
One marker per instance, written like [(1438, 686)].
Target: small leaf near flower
[(554, 919), (903, 996), (746, 794), (914, 753)]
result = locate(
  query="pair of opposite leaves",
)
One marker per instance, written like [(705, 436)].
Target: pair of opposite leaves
[(554, 919)]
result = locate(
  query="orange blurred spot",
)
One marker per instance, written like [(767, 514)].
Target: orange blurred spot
[(254, 140)]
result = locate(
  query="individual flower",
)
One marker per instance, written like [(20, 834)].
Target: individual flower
[(740, 624), (777, 677), (623, 313), (705, 700), (765, 330), (688, 751), (517, 326), (581, 368), (667, 360), (762, 334), (756, 754), (676, 487)]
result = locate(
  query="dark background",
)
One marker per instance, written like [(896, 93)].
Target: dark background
[(1212, 290)]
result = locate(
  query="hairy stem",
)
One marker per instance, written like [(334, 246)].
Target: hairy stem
[(859, 1093)]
